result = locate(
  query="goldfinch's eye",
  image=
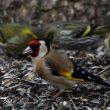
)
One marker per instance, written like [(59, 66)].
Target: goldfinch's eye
[(34, 47)]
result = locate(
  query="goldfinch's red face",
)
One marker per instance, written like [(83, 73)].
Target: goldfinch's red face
[(36, 48)]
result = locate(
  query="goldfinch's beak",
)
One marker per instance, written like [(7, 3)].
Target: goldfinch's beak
[(28, 50)]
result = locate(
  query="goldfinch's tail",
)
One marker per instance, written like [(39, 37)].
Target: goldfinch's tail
[(80, 73)]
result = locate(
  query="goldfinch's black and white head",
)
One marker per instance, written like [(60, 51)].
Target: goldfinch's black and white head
[(37, 48)]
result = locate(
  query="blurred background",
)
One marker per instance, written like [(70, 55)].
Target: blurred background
[(34, 12)]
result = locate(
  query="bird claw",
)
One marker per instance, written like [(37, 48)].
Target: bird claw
[(56, 93)]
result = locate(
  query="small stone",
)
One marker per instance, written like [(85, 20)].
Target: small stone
[(64, 103)]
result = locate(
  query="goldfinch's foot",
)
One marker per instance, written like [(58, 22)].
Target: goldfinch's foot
[(59, 93), (54, 91)]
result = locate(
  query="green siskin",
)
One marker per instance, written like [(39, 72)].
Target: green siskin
[(14, 37), (107, 41), (101, 30), (71, 35), (76, 35), (67, 30), (104, 33)]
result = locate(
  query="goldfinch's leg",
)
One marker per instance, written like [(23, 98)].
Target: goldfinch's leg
[(58, 93)]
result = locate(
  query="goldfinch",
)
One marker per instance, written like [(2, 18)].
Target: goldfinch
[(55, 68)]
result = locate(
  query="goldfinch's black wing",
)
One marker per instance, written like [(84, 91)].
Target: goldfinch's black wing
[(78, 74), (61, 66), (81, 73)]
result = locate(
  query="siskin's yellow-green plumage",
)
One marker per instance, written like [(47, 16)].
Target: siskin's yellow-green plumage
[(14, 37)]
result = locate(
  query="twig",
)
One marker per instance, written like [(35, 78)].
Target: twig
[(105, 68), (75, 107)]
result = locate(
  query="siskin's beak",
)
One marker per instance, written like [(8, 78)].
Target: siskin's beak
[(28, 50)]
